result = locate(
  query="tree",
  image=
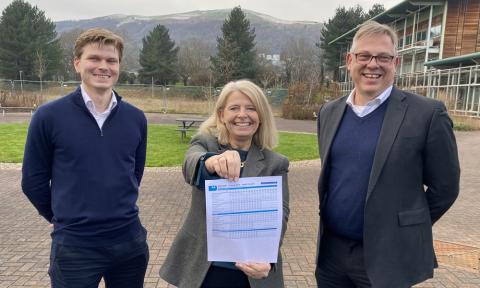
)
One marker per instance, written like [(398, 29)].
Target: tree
[(302, 66), (158, 57), (41, 65), (131, 52), (236, 57), (67, 45), (28, 43), (126, 77), (301, 61), (374, 11), (343, 21), (194, 62), (268, 74)]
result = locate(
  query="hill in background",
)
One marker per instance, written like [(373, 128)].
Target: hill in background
[(272, 34)]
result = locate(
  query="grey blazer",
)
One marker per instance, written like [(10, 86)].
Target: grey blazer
[(186, 264), (413, 182)]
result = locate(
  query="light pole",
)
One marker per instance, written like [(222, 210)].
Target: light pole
[(21, 82)]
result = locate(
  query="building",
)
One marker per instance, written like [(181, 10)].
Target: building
[(272, 58), (439, 50)]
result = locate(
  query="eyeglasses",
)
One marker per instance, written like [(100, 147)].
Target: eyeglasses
[(363, 58)]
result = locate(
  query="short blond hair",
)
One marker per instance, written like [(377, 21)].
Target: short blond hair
[(266, 135), (102, 37), (373, 28)]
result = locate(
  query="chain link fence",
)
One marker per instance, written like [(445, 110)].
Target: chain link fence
[(16, 94)]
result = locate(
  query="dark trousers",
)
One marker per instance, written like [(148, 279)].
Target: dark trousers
[(121, 266), (340, 263), (219, 277)]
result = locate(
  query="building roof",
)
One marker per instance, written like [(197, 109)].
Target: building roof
[(399, 11), (456, 61)]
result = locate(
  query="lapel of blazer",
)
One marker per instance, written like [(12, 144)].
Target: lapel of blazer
[(254, 162), (330, 124), (391, 123), (336, 117)]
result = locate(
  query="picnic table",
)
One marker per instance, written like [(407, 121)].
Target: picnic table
[(187, 124)]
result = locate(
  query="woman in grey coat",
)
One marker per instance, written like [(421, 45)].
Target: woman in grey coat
[(236, 141)]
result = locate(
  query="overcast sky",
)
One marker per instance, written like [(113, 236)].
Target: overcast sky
[(297, 10)]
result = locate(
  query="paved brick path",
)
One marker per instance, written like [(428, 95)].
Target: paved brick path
[(165, 198)]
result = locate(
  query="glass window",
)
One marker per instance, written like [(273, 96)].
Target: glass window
[(421, 35), (408, 39)]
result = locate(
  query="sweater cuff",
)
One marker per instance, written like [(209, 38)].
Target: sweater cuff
[(202, 172)]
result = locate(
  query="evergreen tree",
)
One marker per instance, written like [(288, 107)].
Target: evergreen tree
[(236, 58), (28, 43), (374, 11), (158, 57), (343, 21)]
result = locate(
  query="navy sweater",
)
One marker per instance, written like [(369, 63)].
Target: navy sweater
[(82, 178), (349, 166)]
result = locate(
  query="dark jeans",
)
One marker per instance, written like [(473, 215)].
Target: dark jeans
[(219, 277), (340, 263), (121, 266)]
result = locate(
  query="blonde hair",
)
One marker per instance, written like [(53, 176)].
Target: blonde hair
[(373, 28), (100, 36), (266, 134)]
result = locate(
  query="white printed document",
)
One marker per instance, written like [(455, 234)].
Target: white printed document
[(244, 219)]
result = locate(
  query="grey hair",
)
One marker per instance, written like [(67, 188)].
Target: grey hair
[(373, 28)]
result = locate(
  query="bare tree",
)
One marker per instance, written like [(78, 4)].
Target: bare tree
[(302, 64), (194, 62), (40, 65), (67, 44), (268, 73)]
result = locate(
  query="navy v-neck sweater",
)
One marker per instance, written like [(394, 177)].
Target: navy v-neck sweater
[(82, 178), (349, 166)]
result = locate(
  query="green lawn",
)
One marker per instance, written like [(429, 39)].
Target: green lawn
[(12, 139), (164, 147)]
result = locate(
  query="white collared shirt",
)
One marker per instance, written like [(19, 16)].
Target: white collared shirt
[(362, 111), (99, 117)]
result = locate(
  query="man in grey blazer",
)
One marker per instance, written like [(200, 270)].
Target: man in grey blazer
[(389, 171)]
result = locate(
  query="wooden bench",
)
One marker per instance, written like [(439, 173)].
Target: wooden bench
[(17, 109)]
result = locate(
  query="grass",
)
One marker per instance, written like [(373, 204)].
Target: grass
[(12, 137), (459, 126), (298, 146), (164, 146)]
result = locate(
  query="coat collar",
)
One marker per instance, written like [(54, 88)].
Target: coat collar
[(77, 98)]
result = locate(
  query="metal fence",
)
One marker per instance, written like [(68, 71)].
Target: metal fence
[(458, 88), (149, 98)]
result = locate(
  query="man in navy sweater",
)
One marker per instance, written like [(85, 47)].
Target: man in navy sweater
[(389, 171), (83, 163)]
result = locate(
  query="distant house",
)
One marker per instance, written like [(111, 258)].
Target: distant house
[(273, 58), (439, 50)]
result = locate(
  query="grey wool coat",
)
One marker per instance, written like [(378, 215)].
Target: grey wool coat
[(413, 182), (186, 264)]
